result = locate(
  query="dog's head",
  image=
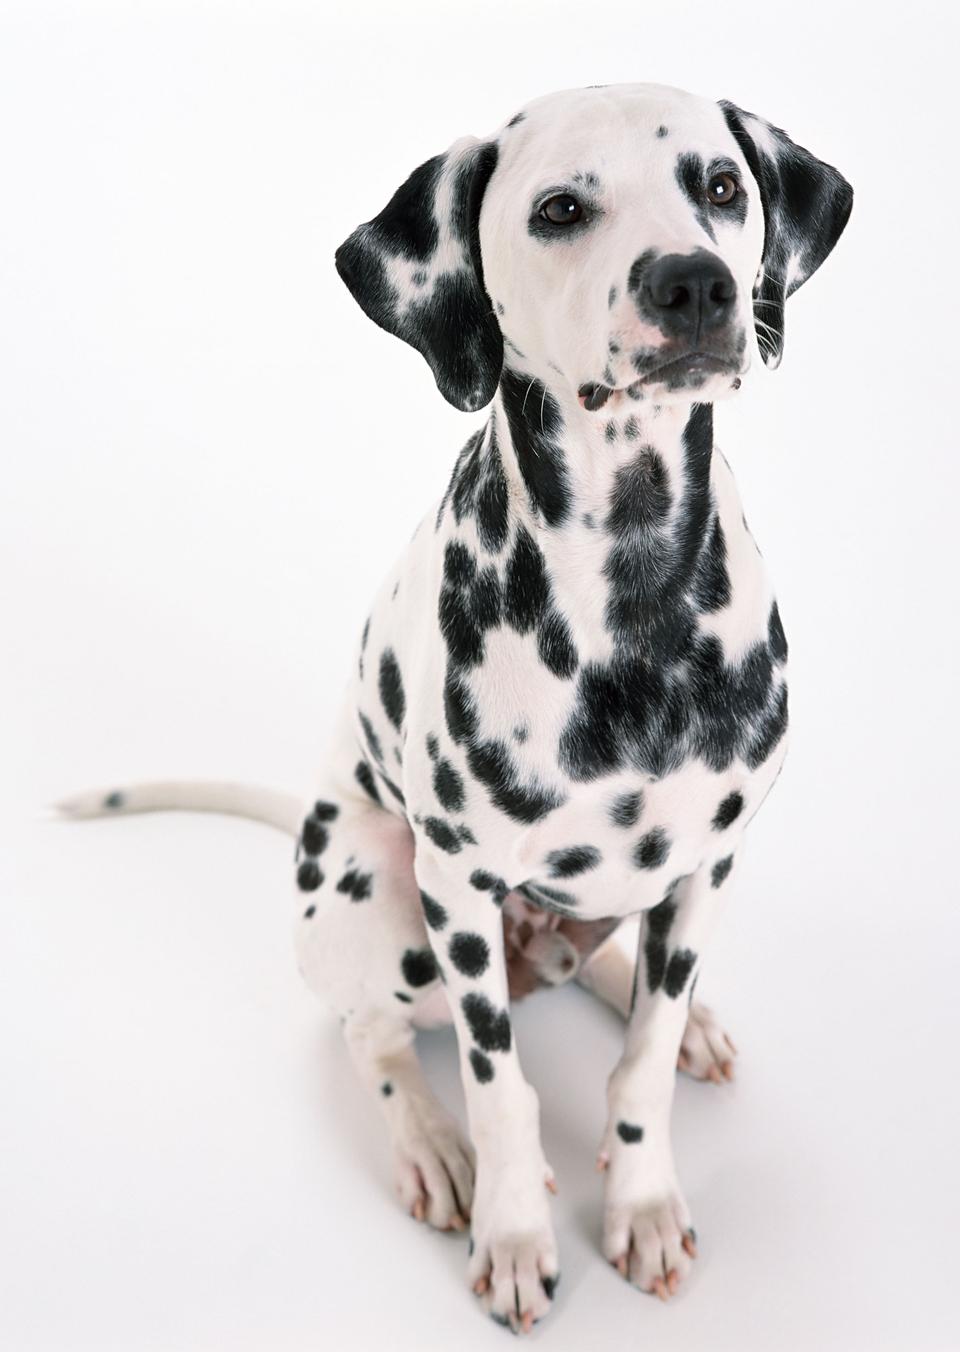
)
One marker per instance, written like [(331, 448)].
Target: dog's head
[(622, 237)]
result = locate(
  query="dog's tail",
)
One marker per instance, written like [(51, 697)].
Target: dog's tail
[(281, 810)]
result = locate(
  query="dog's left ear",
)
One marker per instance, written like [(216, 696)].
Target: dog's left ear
[(415, 270), (806, 205)]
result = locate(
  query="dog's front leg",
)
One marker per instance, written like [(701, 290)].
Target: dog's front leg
[(647, 1233), (513, 1255)]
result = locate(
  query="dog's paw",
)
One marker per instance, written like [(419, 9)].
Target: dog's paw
[(706, 1051), (649, 1239), (433, 1166), (513, 1251)]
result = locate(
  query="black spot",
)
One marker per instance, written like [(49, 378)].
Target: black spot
[(776, 638), (679, 967), (721, 870), (459, 709), (358, 886), (728, 811), (655, 952), (114, 800), (489, 882), (658, 920), (310, 912), (490, 1027), (482, 1066), (324, 811), (469, 604), (626, 809), (448, 786), (611, 297), (569, 862), (652, 849), (711, 588), (550, 1285), (493, 765), (391, 688), (419, 966), (364, 777), (492, 500), (521, 732), (393, 788), (517, 117), (442, 834), (386, 1089), (526, 589), (309, 876), (373, 741), (314, 837), (434, 914), (535, 425), (469, 953), (661, 130), (629, 1133), (555, 645), (404, 999)]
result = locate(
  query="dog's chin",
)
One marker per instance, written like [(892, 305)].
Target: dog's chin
[(694, 377)]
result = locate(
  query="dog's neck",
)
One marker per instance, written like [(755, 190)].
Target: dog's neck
[(566, 464), (618, 502)]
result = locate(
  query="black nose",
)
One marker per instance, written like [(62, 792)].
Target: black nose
[(687, 295)]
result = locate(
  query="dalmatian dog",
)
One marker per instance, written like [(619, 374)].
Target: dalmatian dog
[(570, 695)]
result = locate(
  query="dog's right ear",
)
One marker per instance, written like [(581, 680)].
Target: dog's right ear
[(416, 271)]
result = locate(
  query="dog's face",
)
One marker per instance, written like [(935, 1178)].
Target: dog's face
[(623, 237), (622, 234)]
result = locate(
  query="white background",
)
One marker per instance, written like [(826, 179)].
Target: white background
[(209, 459)]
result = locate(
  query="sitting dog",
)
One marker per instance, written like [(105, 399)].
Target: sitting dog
[(570, 695)]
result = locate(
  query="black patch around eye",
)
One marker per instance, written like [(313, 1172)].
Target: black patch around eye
[(629, 1132), (490, 1027), (419, 967), (681, 964), (728, 811), (572, 224), (569, 862), (689, 174), (391, 688), (309, 876), (448, 786), (721, 870), (358, 886), (435, 915), (626, 809), (469, 953), (652, 849), (482, 1067), (364, 777)]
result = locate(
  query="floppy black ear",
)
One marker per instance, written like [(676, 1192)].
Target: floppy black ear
[(415, 270), (806, 205)]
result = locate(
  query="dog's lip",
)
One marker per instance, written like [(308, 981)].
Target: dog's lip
[(594, 394)]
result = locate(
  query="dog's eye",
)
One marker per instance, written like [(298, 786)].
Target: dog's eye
[(722, 189), (562, 210)]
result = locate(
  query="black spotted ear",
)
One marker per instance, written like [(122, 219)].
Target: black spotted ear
[(416, 271), (806, 205)]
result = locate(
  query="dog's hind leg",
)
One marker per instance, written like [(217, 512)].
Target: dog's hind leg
[(362, 947), (706, 1051)]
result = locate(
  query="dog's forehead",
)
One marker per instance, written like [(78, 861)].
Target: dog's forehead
[(611, 127)]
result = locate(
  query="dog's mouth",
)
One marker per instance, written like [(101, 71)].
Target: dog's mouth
[(689, 370)]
